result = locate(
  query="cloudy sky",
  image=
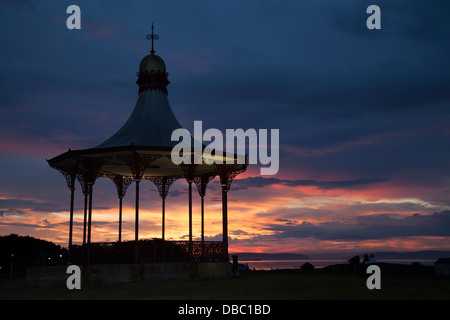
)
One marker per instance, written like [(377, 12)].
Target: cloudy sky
[(364, 117)]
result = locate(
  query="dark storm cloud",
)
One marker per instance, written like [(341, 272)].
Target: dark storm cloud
[(352, 100), (258, 182), (311, 69), (45, 224), (386, 65), (273, 67), (376, 226), (23, 206), (401, 68)]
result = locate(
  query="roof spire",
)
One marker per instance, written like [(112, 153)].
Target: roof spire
[(152, 37)]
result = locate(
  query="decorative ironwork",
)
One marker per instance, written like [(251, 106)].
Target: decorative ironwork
[(150, 251), (227, 174), (201, 182), (89, 168), (83, 183), (85, 190), (70, 175), (189, 171), (121, 183), (152, 80), (152, 37), (139, 162), (163, 184)]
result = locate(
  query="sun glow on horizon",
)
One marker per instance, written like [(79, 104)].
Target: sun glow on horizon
[(260, 219)]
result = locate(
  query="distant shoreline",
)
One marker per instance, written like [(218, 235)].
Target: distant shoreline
[(321, 263), (388, 269), (380, 255)]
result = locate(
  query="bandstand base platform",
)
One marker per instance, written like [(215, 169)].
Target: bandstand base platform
[(56, 276)]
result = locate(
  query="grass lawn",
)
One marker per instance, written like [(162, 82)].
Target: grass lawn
[(253, 285)]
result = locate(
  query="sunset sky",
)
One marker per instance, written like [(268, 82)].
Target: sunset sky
[(364, 117)]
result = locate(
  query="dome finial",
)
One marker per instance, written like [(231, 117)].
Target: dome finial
[(152, 37)]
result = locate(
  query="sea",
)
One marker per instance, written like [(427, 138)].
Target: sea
[(296, 264)]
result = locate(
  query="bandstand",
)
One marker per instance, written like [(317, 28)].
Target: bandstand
[(141, 150)]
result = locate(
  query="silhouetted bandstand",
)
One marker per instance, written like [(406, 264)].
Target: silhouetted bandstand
[(141, 150)]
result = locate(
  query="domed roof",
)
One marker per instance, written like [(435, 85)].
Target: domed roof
[(152, 62)]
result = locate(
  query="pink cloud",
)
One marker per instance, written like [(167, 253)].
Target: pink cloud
[(28, 141), (23, 147)]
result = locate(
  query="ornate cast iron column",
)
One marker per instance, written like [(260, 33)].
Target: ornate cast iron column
[(189, 172), (227, 175), (138, 163), (122, 184), (90, 187), (136, 228), (85, 190), (163, 184), (88, 169), (201, 182), (70, 176)]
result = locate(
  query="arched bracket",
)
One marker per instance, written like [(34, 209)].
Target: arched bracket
[(163, 184)]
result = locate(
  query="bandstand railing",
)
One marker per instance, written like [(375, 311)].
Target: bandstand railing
[(148, 251)]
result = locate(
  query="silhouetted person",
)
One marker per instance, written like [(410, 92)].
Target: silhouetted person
[(235, 268), (354, 263), (366, 259), (372, 259)]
